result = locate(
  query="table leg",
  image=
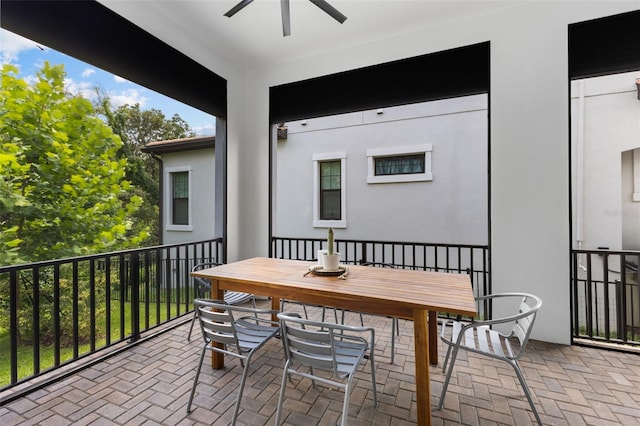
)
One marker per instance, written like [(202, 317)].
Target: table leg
[(421, 342), (217, 358), (433, 337), (275, 306)]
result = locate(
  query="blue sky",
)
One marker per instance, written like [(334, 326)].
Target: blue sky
[(83, 78)]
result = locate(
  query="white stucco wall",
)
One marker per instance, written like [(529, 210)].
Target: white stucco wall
[(200, 164), (529, 108), (451, 208), (529, 142), (605, 115)]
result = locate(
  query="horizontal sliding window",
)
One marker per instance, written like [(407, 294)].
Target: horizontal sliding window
[(399, 164)]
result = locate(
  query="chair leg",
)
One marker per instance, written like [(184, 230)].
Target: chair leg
[(345, 404), (527, 392), (445, 385), (193, 320), (373, 378), (245, 371), (394, 324), (195, 379), (283, 385)]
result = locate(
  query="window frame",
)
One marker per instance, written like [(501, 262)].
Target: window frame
[(374, 153), (320, 158), (169, 172)]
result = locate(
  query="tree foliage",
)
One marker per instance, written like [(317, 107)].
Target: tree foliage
[(63, 190), (136, 128)]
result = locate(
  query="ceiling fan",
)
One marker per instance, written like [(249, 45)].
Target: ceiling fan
[(286, 21)]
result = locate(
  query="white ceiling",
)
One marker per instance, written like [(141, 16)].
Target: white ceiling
[(253, 37)]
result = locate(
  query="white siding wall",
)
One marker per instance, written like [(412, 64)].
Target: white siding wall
[(606, 111), (529, 108), (452, 208), (201, 164)]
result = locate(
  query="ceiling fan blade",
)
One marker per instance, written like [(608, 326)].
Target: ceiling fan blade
[(332, 11), (286, 20), (237, 8)]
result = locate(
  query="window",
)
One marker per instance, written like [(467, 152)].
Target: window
[(399, 164), (180, 193), (179, 199), (329, 190)]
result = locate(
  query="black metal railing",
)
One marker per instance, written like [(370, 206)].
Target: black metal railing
[(451, 258), (605, 297), (56, 312)]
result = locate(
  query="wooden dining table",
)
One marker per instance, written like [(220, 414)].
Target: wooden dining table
[(408, 294)]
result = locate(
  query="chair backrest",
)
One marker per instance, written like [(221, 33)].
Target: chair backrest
[(217, 322), (203, 286), (522, 322), (523, 326), (311, 343)]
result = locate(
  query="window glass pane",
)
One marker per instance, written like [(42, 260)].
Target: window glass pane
[(181, 211), (330, 195), (330, 205), (180, 198), (180, 185), (399, 165)]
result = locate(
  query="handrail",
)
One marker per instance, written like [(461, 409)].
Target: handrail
[(59, 311)]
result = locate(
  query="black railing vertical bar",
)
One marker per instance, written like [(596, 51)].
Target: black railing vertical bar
[(147, 288), (574, 295), (13, 324), (166, 280), (35, 294), (625, 298), (56, 316), (135, 296), (607, 318), (107, 298), (589, 296), (92, 304), (179, 276), (159, 270), (474, 280), (122, 272), (76, 313)]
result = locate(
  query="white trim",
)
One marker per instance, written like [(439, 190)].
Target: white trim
[(636, 175), (169, 226), (317, 223), (373, 153)]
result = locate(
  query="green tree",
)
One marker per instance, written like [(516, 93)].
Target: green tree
[(62, 185), (137, 127)]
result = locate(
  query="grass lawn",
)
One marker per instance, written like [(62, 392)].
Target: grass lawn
[(47, 354)]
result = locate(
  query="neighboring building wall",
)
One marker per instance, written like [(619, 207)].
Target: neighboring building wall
[(605, 119), (529, 145), (200, 163), (450, 208)]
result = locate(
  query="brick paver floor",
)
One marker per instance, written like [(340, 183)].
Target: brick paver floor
[(149, 384)]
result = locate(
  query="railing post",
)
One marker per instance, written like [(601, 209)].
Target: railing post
[(135, 295)]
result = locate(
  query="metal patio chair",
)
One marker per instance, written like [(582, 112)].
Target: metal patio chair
[(203, 288), (334, 349), (480, 337), (239, 330)]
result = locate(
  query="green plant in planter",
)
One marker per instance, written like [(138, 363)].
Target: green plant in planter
[(330, 242)]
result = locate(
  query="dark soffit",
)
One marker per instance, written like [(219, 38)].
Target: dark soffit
[(456, 72), (91, 32), (605, 45)]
